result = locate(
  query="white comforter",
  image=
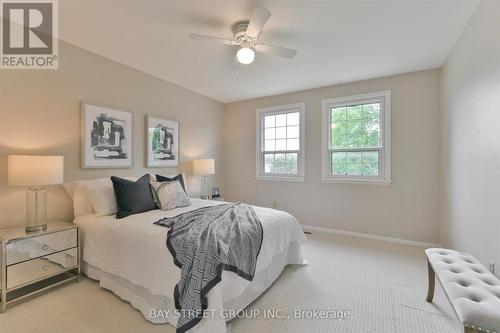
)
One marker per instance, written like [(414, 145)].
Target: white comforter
[(134, 248)]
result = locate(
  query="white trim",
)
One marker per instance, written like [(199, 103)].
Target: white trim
[(301, 155), (280, 178), (356, 181), (369, 236), (326, 175)]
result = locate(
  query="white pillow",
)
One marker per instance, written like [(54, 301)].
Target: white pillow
[(170, 195), (102, 196), (70, 188), (93, 196), (81, 205)]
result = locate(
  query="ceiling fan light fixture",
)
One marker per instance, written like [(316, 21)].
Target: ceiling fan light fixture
[(246, 34), (245, 55)]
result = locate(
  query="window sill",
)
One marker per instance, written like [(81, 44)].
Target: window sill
[(282, 178), (382, 182)]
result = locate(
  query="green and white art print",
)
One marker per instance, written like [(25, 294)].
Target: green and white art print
[(162, 142)]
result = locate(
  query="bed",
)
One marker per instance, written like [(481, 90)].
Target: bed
[(130, 258)]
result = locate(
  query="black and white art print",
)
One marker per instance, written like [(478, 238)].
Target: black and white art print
[(107, 137), (162, 142)]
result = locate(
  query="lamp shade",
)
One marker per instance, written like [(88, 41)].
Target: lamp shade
[(27, 170), (204, 167)]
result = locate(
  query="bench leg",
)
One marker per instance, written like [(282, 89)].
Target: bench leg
[(469, 330), (432, 283)]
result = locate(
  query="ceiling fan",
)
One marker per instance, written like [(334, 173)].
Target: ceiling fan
[(246, 34)]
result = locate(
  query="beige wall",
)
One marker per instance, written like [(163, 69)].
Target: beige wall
[(470, 168), (40, 114), (406, 209)]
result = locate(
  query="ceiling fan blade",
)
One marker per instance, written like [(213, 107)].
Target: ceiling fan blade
[(276, 50), (212, 39), (259, 18)]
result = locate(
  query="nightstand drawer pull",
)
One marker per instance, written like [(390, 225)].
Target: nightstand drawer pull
[(41, 245), (35, 269)]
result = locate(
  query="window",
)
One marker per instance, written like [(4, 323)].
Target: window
[(280, 142), (356, 138)]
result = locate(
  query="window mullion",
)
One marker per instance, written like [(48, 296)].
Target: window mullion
[(355, 150), (281, 152)]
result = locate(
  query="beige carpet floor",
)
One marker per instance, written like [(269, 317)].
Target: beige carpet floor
[(382, 285)]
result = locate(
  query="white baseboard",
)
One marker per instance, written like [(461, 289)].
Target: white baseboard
[(369, 236)]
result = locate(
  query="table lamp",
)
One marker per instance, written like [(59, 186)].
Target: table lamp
[(204, 167), (35, 172)]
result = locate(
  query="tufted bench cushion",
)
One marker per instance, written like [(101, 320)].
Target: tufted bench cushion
[(473, 291)]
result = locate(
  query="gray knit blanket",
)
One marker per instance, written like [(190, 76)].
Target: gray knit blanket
[(203, 243)]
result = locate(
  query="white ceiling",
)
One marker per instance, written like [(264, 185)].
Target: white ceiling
[(337, 40)]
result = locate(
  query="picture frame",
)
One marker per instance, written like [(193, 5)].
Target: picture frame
[(106, 137), (215, 192), (162, 142)]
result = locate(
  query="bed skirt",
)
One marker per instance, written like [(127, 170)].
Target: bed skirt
[(160, 309)]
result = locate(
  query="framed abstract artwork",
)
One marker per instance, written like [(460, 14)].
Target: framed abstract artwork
[(162, 142), (106, 137)]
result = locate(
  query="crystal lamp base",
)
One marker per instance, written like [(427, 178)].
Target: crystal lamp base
[(36, 228), (36, 210)]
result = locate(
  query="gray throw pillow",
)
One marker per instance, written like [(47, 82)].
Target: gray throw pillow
[(170, 195), (179, 177), (132, 197)]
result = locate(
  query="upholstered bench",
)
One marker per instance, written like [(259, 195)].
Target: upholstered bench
[(472, 290)]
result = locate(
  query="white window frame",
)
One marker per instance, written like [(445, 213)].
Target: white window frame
[(384, 178), (259, 157)]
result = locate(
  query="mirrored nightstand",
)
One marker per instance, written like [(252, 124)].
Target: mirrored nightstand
[(33, 263)]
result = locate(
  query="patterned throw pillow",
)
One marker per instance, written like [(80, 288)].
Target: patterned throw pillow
[(179, 177), (170, 195)]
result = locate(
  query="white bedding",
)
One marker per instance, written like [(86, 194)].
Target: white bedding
[(134, 249)]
